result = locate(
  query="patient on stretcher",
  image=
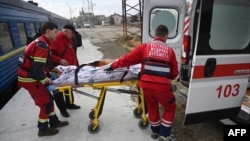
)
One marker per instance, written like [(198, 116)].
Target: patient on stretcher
[(93, 72)]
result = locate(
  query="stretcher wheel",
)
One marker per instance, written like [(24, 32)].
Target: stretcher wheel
[(92, 129), (143, 124), (91, 115), (137, 112)]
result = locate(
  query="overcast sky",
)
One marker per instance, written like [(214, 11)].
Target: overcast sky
[(71, 8), (63, 7)]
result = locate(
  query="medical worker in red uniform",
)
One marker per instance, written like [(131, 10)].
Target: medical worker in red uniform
[(159, 67), (63, 53), (33, 76)]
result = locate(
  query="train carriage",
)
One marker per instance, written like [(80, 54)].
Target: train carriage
[(19, 20)]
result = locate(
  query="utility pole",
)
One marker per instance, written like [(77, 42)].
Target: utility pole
[(93, 16), (70, 11), (82, 17), (88, 11), (83, 13)]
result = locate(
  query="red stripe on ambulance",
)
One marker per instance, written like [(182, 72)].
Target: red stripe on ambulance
[(223, 70)]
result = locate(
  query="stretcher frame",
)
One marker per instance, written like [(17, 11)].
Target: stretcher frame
[(139, 112)]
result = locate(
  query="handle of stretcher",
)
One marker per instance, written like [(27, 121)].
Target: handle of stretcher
[(123, 91)]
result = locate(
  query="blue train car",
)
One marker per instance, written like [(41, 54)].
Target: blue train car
[(19, 20)]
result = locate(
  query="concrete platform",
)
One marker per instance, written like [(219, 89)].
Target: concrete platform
[(18, 119)]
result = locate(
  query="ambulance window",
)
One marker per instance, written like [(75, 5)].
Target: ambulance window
[(224, 27), (230, 27), (165, 16)]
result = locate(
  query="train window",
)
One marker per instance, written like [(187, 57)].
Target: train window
[(5, 39), (38, 27), (22, 33), (33, 30), (165, 16)]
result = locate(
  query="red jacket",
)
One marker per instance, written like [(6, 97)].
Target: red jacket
[(34, 66), (155, 50), (62, 48)]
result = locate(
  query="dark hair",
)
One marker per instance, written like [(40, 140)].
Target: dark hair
[(161, 31), (70, 27), (48, 25)]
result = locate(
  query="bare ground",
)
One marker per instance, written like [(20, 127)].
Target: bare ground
[(208, 131)]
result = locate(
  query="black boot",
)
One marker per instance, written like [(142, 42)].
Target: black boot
[(44, 130), (47, 132), (55, 122), (73, 106), (64, 113), (60, 124)]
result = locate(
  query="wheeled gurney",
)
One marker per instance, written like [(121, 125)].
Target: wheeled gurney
[(119, 77)]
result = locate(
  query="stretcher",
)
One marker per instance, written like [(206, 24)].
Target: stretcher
[(105, 86)]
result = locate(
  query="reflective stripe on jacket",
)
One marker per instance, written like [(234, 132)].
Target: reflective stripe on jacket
[(156, 68), (36, 68)]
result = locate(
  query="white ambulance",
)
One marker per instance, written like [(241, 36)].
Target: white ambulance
[(215, 59)]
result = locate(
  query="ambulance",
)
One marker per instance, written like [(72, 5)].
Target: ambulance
[(214, 55)]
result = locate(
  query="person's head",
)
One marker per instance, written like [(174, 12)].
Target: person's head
[(49, 29), (162, 32), (69, 31)]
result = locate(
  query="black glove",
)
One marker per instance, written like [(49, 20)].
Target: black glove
[(108, 70)]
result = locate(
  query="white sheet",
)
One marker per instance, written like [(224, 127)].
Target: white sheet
[(90, 74)]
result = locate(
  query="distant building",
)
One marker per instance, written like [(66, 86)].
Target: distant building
[(99, 19), (117, 19), (91, 19)]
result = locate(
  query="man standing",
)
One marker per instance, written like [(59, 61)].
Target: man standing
[(32, 76), (63, 53), (159, 66)]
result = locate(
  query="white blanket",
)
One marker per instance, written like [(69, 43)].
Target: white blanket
[(91, 74)]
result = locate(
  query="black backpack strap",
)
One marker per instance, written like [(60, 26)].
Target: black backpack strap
[(124, 74), (42, 44), (76, 73)]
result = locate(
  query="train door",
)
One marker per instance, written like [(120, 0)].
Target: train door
[(168, 12), (221, 59)]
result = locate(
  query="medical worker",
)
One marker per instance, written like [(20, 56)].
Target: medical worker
[(63, 53), (159, 67), (33, 76)]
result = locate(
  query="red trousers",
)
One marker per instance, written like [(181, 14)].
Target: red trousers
[(166, 98), (41, 96)]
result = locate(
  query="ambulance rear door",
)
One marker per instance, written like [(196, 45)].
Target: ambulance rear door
[(167, 12), (221, 59)]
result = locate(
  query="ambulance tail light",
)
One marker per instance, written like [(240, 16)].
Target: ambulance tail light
[(185, 49)]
